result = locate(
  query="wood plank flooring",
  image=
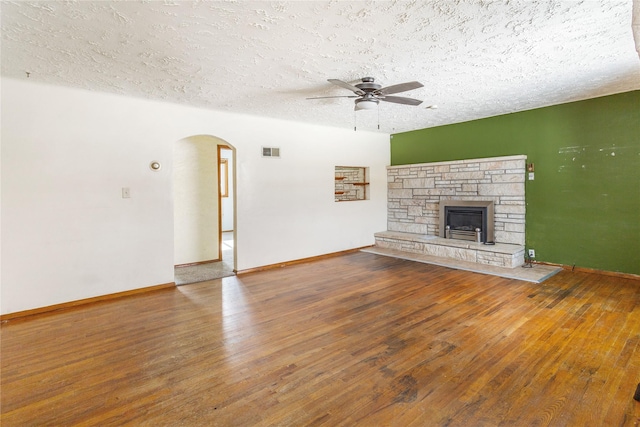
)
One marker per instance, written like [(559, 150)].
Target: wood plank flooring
[(356, 340)]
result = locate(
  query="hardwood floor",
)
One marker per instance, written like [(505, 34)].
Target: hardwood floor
[(360, 339)]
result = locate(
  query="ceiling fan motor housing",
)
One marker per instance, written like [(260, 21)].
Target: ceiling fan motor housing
[(368, 85)]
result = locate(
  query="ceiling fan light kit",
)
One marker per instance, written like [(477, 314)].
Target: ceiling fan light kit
[(366, 104)]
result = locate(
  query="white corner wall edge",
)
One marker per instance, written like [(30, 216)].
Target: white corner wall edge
[(67, 233)]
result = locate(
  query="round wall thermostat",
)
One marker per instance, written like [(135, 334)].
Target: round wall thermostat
[(155, 165)]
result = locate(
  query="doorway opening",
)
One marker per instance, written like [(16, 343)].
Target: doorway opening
[(204, 209), (226, 195)]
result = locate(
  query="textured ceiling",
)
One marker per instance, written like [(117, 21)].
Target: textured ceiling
[(475, 58)]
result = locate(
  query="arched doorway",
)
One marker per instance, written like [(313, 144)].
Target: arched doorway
[(203, 182)]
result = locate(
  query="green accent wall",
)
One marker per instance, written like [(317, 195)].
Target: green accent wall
[(583, 207)]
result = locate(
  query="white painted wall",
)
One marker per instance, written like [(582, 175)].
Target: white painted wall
[(195, 200), (67, 233)]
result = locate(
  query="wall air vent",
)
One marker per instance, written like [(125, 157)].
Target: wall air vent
[(270, 152)]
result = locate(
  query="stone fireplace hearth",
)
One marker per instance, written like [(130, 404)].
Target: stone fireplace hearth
[(417, 194)]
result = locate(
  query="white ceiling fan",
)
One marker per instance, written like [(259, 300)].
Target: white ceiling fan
[(368, 94)]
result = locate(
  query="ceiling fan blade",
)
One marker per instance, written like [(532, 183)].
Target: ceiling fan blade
[(325, 97), (346, 86), (402, 87), (400, 100)]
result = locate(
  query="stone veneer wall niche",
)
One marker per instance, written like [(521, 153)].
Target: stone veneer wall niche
[(415, 191)]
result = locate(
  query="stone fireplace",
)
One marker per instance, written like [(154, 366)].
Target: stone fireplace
[(418, 197), (415, 192)]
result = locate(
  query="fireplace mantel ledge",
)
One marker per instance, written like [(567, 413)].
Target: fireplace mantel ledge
[(460, 162)]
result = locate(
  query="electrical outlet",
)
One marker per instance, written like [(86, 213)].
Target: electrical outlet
[(532, 253)]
